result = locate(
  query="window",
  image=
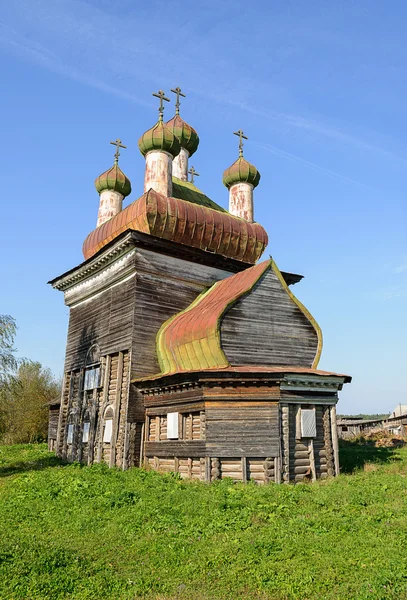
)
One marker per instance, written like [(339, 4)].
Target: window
[(308, 422), (92, 378), (108, 426), (70, 434), (172, 426), (107, 433), (85, 434)]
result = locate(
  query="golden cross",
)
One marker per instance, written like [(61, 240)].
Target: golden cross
[(193, 173), (241, 138), (178, 93), (161, 95), (118, 144)]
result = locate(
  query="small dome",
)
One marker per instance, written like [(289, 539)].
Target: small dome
[(188, 137), (159, 137), (113, 179), (241, 172)]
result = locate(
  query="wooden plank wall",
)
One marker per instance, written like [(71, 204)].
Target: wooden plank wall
[(267, 328), (242, 429), (106, 319), (165, 286)]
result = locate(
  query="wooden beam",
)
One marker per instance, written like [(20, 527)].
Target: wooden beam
[(60, 417), (116, 411), (68, 408), (311, 459), (244, 469), (334, 433), (105, 399)]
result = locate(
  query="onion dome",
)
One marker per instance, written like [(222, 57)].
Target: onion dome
[(241, 172), (159, 137), (188, 137), (113, 179)]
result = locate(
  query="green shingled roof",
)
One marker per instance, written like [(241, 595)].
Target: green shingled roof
[(184, 190)]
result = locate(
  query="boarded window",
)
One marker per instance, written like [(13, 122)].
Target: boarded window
[(70, 434), (92, 378), (308, 422), (107, 433), (172, 426), (85, 434)]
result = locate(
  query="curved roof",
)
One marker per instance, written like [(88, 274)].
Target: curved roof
[(159, 137), (185, 223), (186, 134), (191, 340), (185, 190), (241, 172), (113, 179)]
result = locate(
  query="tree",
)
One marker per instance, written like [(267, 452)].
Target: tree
[(8, 361), (24, 400)]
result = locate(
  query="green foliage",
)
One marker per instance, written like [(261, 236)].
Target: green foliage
[(68, 531), (23, 403), (8, 361)]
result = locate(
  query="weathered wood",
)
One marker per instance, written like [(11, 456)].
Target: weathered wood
[(105, 399), (334, 434), (180, 448), (116, 411), (328, 441), (311, 460), (266, 327)]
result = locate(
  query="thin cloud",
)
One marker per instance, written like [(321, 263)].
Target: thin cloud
[(98, 64), (298, 159)]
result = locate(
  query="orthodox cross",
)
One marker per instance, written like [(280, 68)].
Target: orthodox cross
[(161, 95), (241, 138), (178, 93), (118, 144), (193, 173)]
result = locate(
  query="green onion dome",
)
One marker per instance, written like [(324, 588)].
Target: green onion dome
[(241, 172), (188, 137), (159, 137), (113, 179)]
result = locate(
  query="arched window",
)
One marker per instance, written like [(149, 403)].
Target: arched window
[(108, 425), (92, 369)]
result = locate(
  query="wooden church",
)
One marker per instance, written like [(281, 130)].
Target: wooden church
[(184, 352)]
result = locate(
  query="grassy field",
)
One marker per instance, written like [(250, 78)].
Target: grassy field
[(68, 531)]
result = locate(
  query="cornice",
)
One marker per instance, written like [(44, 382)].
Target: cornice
[(89, 268)]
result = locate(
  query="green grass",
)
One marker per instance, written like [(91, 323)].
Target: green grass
[(68, 531)]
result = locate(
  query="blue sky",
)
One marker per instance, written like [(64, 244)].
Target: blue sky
[(319, 87)]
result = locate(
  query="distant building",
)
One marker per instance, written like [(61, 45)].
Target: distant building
[(400, 410), (184, 353)]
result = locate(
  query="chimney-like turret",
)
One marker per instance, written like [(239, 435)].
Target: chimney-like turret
[(240, 179), (113, 186), (159, 146)]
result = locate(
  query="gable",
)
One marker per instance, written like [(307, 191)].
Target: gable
[(269, 326)]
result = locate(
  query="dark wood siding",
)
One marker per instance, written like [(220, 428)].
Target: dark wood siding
[(267, 328), (236, 429), (106, 319)]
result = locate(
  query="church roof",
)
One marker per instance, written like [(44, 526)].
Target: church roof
[(191, 340), (113, 179), (252, 371), (186, 134), (184, 222), (185, 190)]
